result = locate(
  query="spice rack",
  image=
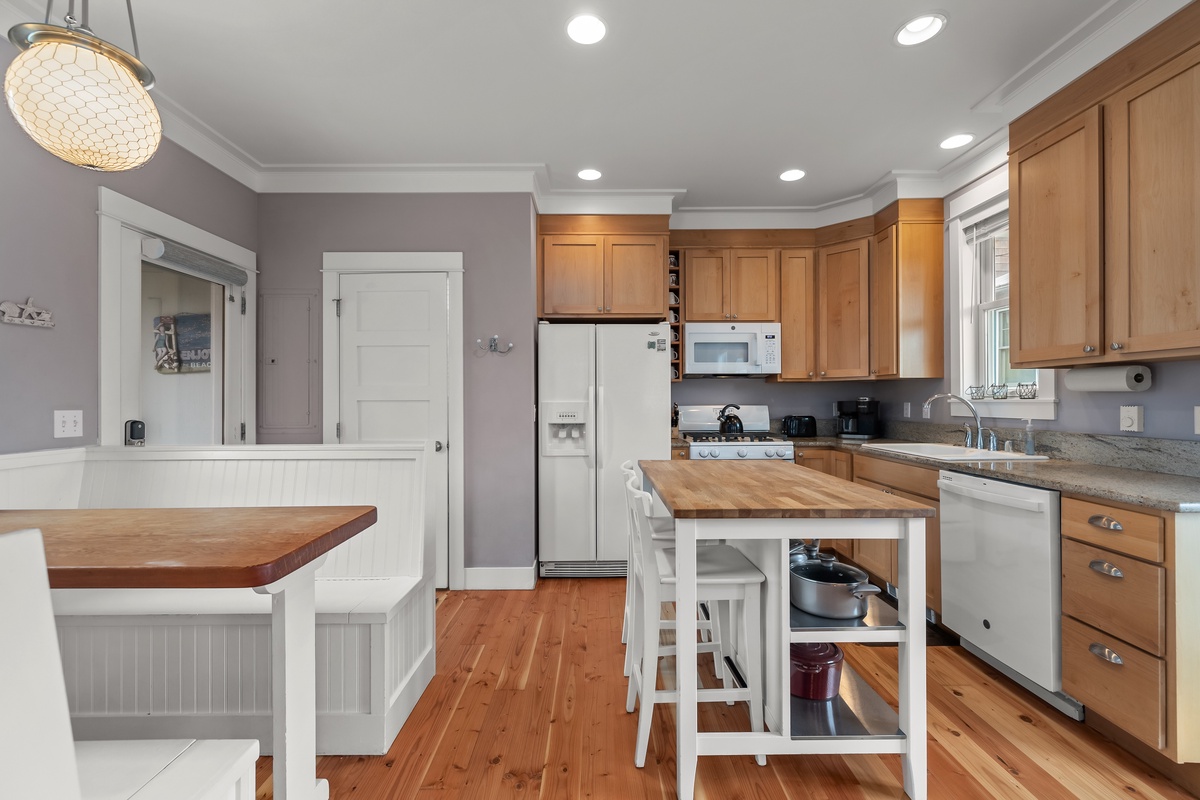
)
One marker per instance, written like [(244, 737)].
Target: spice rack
[(675, 312)]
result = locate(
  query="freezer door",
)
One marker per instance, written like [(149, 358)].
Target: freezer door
[(567, 485), (633, 410)]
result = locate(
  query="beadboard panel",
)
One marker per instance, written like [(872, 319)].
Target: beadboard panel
[(47, 479), (410, 636), (391, 480)]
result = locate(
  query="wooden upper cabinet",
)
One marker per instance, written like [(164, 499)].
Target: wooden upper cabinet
[(1152, 259), (573, 275), (705, 286), (1055, 240), (739, 284), (602, 266), (843, 310), (754, 285), (907, 322), (797, 315), (635, 282), (885, 358)]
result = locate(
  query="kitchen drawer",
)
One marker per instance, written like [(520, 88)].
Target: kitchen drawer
[(908, 477), (1131, 532), (1131, 695), (680, 453), (1131, 607)]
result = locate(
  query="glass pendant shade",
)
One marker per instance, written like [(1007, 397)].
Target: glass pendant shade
[(79, 98)]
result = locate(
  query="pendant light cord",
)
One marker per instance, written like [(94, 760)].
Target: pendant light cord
[(132, 30)]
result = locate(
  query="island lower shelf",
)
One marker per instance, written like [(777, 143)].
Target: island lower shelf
[(857, 711)]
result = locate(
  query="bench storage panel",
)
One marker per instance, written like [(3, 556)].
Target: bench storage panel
[(196, 663)]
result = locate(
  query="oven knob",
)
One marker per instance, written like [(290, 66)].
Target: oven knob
[(770, 454), (702, 452), (741, 452)]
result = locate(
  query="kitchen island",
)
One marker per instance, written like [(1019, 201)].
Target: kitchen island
[(760, 507)]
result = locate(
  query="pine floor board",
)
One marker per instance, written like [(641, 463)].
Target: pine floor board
[(529, 703)]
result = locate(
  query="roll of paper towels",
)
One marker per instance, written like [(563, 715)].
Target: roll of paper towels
[(1125, 378)]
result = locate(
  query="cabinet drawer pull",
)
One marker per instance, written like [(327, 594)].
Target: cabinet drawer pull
[(1117, 346), (1105, 521), (1105, 568), (1087, 348), (1102, 652)]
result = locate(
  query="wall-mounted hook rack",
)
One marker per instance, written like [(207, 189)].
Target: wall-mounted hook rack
[(493, 345)]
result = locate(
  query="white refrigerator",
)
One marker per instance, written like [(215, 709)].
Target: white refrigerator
[(604, 397)]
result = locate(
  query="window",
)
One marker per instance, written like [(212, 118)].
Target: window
[(977, 258), (988, 243)]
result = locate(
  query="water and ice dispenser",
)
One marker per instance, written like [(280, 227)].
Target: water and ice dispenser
[(565, 429)]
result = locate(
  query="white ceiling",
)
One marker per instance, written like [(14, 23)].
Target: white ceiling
[(703, 102)]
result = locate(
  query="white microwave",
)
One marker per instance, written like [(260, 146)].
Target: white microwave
[(731, 348)]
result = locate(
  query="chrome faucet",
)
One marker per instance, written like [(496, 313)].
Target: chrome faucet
[(968, 404)]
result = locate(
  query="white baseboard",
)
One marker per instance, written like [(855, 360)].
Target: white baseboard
[(501, 577)]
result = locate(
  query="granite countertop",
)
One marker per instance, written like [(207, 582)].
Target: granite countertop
[(1160, 490)]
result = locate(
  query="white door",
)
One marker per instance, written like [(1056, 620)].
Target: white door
[(394, 380)]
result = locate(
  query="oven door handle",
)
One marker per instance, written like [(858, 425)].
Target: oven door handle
[(1018, 503)]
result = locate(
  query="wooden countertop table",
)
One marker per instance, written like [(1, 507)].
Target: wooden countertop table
[(275, 551), (760, 506)]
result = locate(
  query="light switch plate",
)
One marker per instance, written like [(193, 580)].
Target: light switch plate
[(908, 409), (925, 412), (68, 424), (1131, 419), (1196, 422)]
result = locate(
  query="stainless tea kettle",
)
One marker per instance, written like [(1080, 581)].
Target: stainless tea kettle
[(731, 424)]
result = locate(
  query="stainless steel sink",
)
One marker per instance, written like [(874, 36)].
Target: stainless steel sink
[(950, 452)]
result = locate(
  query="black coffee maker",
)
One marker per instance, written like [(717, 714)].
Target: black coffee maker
[(859, 419)]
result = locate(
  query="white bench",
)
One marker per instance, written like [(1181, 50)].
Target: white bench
[(195, 663), (37, 755)]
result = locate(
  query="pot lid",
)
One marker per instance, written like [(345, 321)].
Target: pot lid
[(829, 572), (817, 654)]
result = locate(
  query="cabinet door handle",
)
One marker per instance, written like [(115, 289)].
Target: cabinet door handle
[(810, 374), (735, 316), (608, 309), (599, 308), (1104, 521), (1105, 568), (1087, 348), (1117, 345), (822, 374), (1105, 653)]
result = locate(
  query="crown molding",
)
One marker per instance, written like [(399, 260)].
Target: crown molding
[(1108, 30)]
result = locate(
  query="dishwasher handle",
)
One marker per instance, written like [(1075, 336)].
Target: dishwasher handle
[(1036, 506)]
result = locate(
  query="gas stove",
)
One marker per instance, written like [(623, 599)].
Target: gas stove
[(700, 426)]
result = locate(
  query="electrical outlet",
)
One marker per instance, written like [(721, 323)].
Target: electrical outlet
[(835, 410), (1196, 421), (925, 412), (908, 409), (1131, 419), (68, 424)]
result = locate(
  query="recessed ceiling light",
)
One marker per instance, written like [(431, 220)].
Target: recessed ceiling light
[(589, 174), (792, 175), (586, 29), (921, 29), (957, 140)]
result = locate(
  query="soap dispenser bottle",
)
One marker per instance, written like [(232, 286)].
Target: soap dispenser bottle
[(1029, 437)]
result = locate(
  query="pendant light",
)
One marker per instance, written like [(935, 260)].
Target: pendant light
[(81, 98)]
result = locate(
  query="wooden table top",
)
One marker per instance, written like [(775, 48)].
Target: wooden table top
[(751, 489), (178, 548)]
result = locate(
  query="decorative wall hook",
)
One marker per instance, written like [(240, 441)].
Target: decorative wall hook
[(493, 345)]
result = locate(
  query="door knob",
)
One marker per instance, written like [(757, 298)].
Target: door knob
[(437, 446)]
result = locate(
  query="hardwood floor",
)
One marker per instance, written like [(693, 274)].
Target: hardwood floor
[(529, 702)]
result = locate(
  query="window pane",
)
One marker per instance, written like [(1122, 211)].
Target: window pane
[(999, 366), (181, 375)]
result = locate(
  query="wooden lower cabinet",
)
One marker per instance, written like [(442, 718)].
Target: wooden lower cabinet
[(912, 482), (680, 452), (838, 464)]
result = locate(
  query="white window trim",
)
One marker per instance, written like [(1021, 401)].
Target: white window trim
[(984, 198), (123, 224)]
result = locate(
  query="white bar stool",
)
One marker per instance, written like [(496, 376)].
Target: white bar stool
[(724, 574)]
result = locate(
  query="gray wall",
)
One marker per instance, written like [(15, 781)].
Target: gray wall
[(48, 251), (495, 234)]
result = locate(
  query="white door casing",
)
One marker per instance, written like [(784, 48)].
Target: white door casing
[(124, 223), (393, 372)]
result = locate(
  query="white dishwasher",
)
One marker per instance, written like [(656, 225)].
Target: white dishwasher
[(1001, 579)]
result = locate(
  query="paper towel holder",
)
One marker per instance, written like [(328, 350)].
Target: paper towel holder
[(1116, 378)]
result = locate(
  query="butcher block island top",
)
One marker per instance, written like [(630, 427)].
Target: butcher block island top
[(766, 489), (174, 548)]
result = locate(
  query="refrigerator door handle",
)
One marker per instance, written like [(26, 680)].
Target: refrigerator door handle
[(601, 440), (591, 423)]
